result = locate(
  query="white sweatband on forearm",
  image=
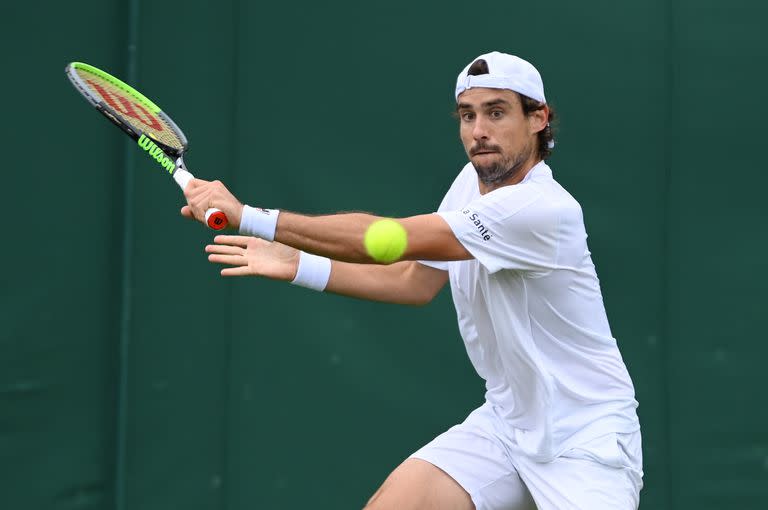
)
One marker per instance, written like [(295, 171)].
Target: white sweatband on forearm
[(313, 272), (259, 222)]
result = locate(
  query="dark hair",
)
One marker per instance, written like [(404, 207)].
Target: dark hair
[(546, 135)]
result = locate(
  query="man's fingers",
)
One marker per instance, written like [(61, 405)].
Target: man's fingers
[(197, 194), (236, 271), (232, 260), (186, 211), (241, 241), (224, 249), (195, 183)]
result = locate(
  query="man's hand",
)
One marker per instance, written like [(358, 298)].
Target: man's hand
[(202, 195), (254, 256)]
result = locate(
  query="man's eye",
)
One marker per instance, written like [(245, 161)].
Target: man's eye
[(467, 116), (497, 114)]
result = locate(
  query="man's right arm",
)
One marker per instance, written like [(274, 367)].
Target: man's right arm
[(406, 282)]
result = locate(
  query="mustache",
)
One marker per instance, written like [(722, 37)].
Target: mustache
[(481, 147)]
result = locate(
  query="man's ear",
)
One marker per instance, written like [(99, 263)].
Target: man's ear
[(538, 119)]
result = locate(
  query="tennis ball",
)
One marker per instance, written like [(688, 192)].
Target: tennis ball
[(385, 240)]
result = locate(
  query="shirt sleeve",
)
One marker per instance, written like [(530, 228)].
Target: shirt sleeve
[(514, 227), (437, 264)]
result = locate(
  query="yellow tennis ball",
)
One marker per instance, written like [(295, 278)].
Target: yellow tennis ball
[(385, 240)]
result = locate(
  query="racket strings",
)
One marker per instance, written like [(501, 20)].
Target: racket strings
[(131, 109)]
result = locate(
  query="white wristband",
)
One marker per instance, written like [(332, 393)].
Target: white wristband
[(313, 272), (259, 222)]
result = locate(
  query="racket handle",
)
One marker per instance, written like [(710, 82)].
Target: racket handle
[(214, 218)]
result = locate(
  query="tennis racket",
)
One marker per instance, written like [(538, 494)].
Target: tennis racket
[(141, 119)]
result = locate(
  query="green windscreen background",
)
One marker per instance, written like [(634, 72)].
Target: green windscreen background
[(133, 377)]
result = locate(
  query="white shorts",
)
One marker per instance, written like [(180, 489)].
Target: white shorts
[(603, 474)]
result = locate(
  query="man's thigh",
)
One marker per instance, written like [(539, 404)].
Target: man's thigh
[(418, 485), (469, 460), (579, 484), (600, 476)]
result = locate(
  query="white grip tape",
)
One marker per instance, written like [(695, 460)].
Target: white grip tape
[(259, 222), (210, 212), (182, 178), (313, 272)]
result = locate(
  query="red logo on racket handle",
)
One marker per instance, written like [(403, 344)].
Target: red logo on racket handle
[(217, 220)]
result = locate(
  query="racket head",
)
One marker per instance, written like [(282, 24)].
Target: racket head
[(127, 108)]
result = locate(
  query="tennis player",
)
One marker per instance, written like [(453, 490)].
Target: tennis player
[(558, 429)]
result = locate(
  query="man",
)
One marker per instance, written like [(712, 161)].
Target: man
[(558, 429)]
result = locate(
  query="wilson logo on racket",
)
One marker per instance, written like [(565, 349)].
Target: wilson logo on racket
[(156, 152), (127, 107)]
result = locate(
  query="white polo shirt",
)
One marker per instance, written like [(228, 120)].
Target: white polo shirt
[(531, 314)]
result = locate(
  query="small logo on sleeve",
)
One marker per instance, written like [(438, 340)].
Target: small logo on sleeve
[(481, 229)]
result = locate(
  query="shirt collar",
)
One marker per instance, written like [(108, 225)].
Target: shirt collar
[(540, 168)]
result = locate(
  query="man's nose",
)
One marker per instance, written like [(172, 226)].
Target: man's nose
[(480, 129)]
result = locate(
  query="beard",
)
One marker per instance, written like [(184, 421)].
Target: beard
[(502, 169)]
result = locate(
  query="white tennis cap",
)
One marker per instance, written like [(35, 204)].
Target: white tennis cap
[(504, 72)]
